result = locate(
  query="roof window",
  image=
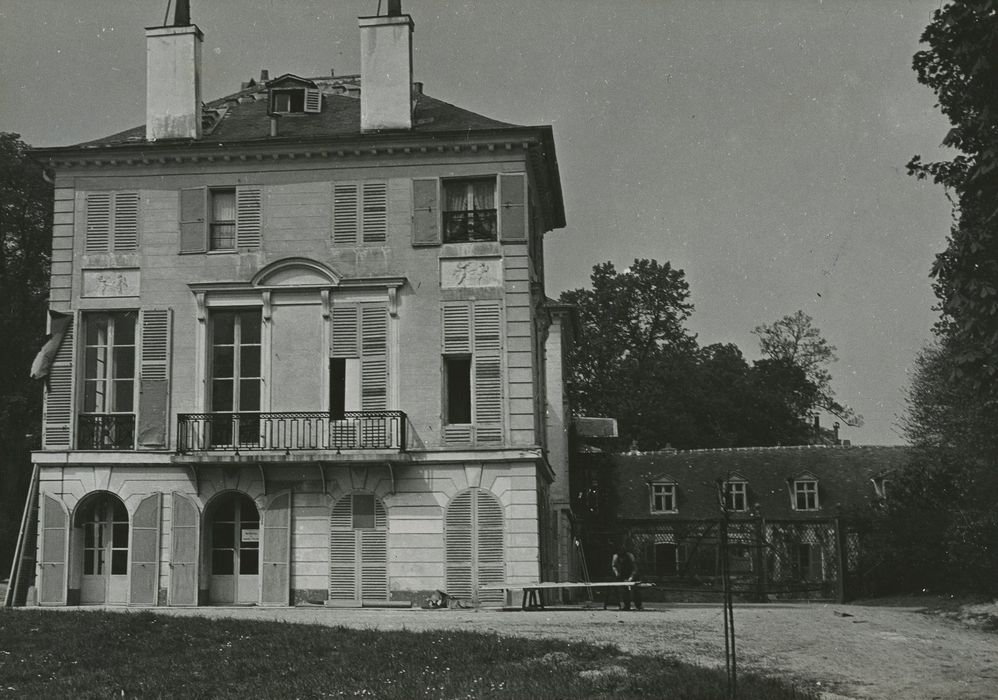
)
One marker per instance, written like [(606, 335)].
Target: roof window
[(290, 94)]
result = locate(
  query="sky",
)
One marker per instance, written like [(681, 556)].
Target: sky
[(758, 145)]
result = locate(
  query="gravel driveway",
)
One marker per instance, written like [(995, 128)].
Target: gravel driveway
[(846, 651)]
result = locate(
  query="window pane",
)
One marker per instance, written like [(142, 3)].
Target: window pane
[(88, 563), (221, 395), (222, 535), (88, 535), (456, 196), (221, 562), (249, 361), (119, 562), (124, 362), (96, 330), (100, 562), (90, 397), (221, 362), (458, 378), (247, 512), (119, 535), (124, 328), (249, 395), (249, 561), (223, 237), (223, 205), (249, 326), (363, 511), (223, 328), (483, 194), (225, 509), (337, 388), (91, 362)]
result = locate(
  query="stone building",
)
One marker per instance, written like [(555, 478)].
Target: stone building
[(301, 339)]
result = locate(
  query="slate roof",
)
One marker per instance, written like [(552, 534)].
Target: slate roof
[(844, 477), (243, 116)]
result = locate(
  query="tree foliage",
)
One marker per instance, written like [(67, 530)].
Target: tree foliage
[(25, 246)]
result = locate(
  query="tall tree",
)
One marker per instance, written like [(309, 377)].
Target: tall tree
[(25, 247), (797, 342)]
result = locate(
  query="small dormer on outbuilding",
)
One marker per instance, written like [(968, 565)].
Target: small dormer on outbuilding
[(290, 94), (803, 490)]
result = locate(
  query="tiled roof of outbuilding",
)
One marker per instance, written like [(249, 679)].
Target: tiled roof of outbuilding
[(844, 477), (244, 116)]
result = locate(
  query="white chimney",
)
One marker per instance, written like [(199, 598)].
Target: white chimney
[(173, 79), (386, 70)]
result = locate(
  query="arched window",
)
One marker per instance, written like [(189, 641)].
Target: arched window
[(234, 549), (474, 543), (358, 549), (104, 520)]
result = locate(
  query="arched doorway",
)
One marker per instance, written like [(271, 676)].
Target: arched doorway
[(233, 531), (474, 543), (358, 550), (104, 520)]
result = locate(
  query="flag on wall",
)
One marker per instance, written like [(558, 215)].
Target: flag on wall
[(58, 322)]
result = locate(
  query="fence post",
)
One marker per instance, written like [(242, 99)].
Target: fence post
[(841, 560), (760, 557)]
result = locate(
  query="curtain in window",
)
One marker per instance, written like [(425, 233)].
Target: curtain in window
[(457, 197), (484, 195), (223, 206)]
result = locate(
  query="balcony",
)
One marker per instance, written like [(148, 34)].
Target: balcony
[(105, 431), (238, 432), (469, 226)]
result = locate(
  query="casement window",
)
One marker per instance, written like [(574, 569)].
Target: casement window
[(107, 419), (360, 213), (734, 495), (112, 220), (663, 498), (805, 494), (358, 377), (469, 209), (809, 563), (235, 376), (472, 372), (295, 100), (220, 218)]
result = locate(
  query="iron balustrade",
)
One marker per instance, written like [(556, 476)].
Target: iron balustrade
[(105, 431), (350, 430), (465, 226)]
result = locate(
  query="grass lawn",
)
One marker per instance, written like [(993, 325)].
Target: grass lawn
[(98, 654)]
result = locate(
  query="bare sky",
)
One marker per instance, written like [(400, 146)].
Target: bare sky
[(759, 145)]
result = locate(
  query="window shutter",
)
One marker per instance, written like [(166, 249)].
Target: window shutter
[(52, 553), (144, 557), (126, 221), (313, 100), (249, 216), (490, 546), (374, 360), (275, 580), (458, 537), (425, 213), (98, 237), (512, 212), (345, 211), (184, 539), (344, 341), (342, 552), (154, 378), (374, 563), (488, 414), (193, 226), (58, 418), (456, 328), (375, 212)]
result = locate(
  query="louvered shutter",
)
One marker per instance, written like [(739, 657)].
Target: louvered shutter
[(344, 342), (58, 418), (425, 213), (249, 216), (184, 551), (52, 553), (98, 236), (488, 394), (193, 226), (374, 358), (154, 378), (458, 546), (373, 546), (313, 101), (345, 213), (342, 552), (489, 546), (375, 218), (126, 221), (275, 574), (456, 328), (512, 212), (144, 557)]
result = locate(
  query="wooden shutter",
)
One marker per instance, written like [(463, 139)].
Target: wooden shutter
[(458, 546), (344, 343), (58, 417), (488, 393), (275, 576), (373, 547), (52, 554), (249, 216), (374, 357), (489, 546), (313, 101), (456, 328), (375, 210), (512, 212), (98, 236), (144, 579), (193, 220), (345, 212), (342, 552), (425, 212), (126, 221), (184, 545), (154, 378)]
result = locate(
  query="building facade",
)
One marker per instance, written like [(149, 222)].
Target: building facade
[(299, 342)]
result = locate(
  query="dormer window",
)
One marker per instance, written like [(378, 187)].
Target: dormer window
[(290, 94), (734, 495), (806, 494), (663, 497), (285, 101)]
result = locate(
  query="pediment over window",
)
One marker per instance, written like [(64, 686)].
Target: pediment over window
[(804, 476), (661, 479), (296, 273)]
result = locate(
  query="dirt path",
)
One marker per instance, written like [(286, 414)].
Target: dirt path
[(846, 651)]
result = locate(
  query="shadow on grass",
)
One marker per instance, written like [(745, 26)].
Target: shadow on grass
[(103, 654)]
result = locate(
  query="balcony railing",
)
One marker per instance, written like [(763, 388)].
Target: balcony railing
[(105, 431), (466, 226), (236, 432)]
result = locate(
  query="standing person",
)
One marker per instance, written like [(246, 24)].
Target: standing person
[(625, 569)]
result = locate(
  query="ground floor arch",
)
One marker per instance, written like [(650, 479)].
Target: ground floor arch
[(358, 550), (232, 532), (100, 531), (474, 544)]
